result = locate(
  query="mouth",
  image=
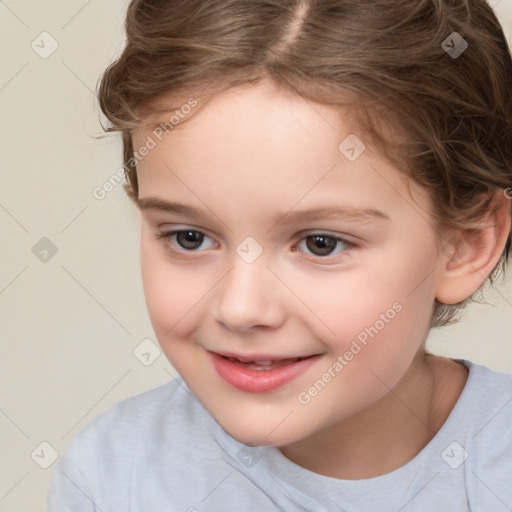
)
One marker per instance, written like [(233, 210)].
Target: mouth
[(265, 364), (260, 373)]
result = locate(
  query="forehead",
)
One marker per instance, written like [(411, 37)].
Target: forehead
[(255, 142), (250, 110)]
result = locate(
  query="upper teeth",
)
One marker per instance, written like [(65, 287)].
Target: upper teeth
[(267, 362)]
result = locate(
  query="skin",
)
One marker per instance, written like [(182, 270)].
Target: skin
[(249, 157)]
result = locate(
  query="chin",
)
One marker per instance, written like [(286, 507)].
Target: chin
[(260, 433)]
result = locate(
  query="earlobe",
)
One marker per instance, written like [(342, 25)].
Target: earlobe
[(475, 254)]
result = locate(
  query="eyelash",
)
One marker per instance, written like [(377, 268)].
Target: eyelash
[(165, 238)]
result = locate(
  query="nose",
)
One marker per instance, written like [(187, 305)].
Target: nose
[(249, 297)]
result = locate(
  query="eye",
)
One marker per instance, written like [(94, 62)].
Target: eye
[(320, 245), (186, 240), (324, 244)]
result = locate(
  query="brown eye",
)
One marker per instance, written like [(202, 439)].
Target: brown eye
[(321, 245), (324, 245), (189, 239), (185, 241)]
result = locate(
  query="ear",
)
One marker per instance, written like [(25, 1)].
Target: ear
[(475, 253)]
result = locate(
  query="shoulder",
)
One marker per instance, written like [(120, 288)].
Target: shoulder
[(488, 385), (488, 443), (117, 438), (492, 396), (132, 416), (481, 419), (103, 458), (487, 397)]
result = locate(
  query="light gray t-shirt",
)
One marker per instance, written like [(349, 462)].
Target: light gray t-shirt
[(161, 451)]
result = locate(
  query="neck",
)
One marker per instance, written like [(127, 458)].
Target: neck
[(390, 432)]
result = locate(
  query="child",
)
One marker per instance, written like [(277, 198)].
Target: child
[(320, 183)]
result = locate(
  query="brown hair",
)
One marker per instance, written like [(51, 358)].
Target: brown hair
[(391, 62)]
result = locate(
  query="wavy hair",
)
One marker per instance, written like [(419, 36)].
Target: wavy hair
[(439, 72)]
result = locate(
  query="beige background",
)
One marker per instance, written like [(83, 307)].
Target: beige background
[(69, 325)]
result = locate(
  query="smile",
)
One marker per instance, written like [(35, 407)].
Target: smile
[(260, 374)]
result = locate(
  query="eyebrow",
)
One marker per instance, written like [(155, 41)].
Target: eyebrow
[(283, 218)]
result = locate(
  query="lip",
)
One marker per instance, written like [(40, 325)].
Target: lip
[(259, 381), (257, 357)]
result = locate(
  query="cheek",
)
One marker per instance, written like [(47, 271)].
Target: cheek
[(342, 303), (172, 293), (378, 313)]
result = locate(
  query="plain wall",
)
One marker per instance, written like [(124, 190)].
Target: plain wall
[(69, 325)]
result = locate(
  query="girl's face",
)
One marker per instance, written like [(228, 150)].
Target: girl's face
[(268, 236)]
